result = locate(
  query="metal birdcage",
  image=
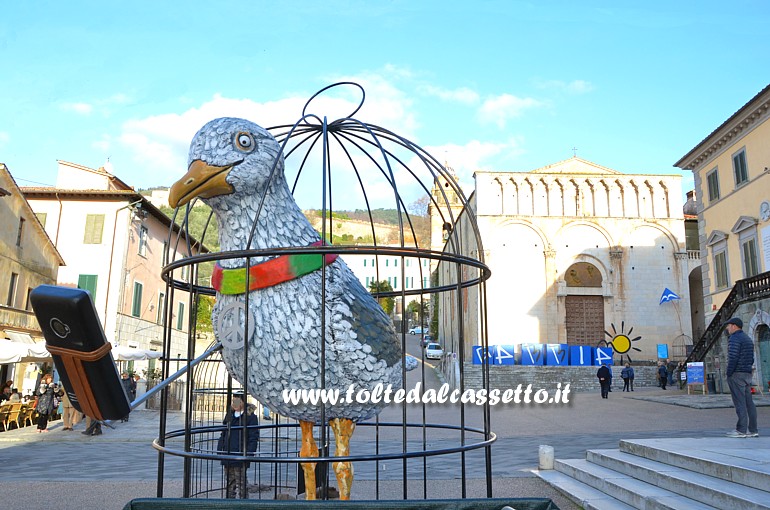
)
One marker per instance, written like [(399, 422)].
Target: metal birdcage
[(331, 166)]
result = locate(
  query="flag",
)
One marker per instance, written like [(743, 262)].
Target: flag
[(668, 295)]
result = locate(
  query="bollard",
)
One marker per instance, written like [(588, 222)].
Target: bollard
[(545, 453)]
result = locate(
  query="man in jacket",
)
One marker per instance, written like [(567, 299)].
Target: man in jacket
[(604, 374), (230, 443), (740, 364)]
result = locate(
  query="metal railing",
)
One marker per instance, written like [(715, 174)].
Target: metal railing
[(748, 289)]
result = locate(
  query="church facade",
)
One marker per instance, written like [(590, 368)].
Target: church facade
[(579, 254)]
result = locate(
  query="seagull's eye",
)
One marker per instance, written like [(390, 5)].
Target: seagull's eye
[(244, 141)]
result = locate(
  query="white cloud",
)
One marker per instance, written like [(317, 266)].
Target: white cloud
[(572, 87), (477, 155), (159, 144), (79, 108), (386, 104), (462, 95), (499, 109), (4, 138), (580, 86)]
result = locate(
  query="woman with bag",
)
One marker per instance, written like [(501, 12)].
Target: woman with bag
[(47, 396), (628, 377)]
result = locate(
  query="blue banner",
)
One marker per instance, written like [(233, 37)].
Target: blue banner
[(581, 355), (532, 354), (556, 355), (604, 356)]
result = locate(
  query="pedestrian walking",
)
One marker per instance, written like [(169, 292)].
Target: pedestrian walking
[(681, 374), (627, 374), (740, 364), (71, 416), (129, 386), (603, 374), (662, 374)]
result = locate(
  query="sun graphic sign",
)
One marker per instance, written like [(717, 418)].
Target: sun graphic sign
[(621, 342)]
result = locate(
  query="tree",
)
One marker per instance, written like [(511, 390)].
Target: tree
[(200, 222), (417, 313), (200, 219), (435, 304), (205, 306), (420, 206), (387, 303)]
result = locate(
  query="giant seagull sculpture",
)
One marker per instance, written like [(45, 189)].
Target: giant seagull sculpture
[(236, 167)]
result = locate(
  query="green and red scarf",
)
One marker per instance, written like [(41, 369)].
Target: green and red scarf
[(270, 272)]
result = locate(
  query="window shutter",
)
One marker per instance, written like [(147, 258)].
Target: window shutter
[(136, 308), (94, 228), (88, 282)]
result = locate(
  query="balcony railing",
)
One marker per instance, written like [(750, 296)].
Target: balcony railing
[(21, 320), (748, 289)]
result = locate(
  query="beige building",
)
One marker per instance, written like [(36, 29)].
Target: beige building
[(731, 169), (114, 241), (577, 251), (28, 258)]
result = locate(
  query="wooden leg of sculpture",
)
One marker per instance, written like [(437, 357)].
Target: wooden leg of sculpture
[(343, 430), (309, 449)]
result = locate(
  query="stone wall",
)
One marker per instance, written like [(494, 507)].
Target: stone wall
[(580, 379), (143, 334)]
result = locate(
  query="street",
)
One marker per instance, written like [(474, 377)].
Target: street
[(125, 464)]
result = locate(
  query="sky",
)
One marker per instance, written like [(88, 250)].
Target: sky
[(482, 85)]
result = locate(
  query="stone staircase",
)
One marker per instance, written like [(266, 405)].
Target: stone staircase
[(656, 474)]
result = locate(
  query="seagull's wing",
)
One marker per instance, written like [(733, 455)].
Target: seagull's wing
[(354, 306)]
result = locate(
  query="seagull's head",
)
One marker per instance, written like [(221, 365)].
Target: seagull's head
[(228, 157)]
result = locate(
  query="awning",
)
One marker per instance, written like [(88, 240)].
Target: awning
[(22, 338), (124, 353), (21, 348)]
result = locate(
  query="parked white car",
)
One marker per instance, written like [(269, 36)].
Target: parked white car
[(434, 351)]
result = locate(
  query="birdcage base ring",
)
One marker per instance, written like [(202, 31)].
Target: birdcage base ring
[(483, 440)]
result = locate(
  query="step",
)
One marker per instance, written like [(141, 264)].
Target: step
[(743, 461), (581, 494), (633, 492), (709, 490)]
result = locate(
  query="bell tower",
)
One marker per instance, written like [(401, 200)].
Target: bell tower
[(444, 209)]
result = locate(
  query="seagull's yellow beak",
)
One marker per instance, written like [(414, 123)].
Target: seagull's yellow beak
[(201, 180)]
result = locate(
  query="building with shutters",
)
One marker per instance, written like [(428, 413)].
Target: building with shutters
[(578, 253), (731, 170), (114, 241), (28, 258)]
